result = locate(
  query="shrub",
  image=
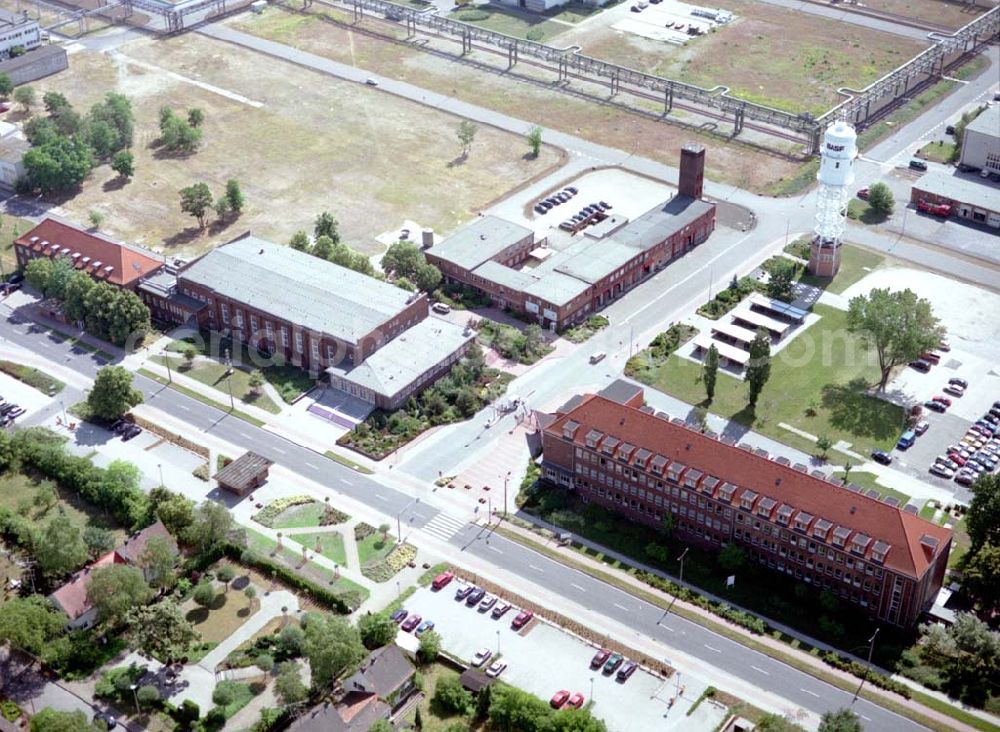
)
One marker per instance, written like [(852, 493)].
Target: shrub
[(331, 517), (385, 569), (201, 472), (450, 697), (268, 515), (363, 531)]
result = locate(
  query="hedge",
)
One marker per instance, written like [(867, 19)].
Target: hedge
[(169, 436), (863, 672)]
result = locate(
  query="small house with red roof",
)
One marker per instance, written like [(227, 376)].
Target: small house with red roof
[(72, 599)]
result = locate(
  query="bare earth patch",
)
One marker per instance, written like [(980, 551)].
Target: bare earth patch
[(298, 141)]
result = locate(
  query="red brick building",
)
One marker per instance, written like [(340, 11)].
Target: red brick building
[(614, 452), (102, 258)]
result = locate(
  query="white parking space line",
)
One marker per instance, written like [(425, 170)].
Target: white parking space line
[(712, 648), (760, 670), (810, 692)]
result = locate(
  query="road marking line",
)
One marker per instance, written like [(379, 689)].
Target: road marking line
[(379, 496), (537, 569), (711, 648), (186, 409), (278, 449), (867, 719), (494, 549), (810, 692), (577, 587), (312, 466), (766, 673), (621, 607), (667, 627)]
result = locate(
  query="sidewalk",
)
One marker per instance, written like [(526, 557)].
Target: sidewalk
[(271, 604), (766, 640)]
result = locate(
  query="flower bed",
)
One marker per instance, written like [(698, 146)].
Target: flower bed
[(270, 513), (386, 569), (363, 531)]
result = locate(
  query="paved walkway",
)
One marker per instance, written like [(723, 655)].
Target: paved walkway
[(270, 604)]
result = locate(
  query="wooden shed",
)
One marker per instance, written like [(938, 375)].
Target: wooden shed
[(244, 474)]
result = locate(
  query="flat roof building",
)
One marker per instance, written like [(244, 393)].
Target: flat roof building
[(970, 198), (18, 31), (981, 141), (886, 561)]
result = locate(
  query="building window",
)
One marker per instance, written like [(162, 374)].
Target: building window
[(284, 337), (225, 313), (239, 319), (298, 341)]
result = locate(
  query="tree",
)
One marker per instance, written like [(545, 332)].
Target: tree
[(982, 520), (159, 630), (204, 594), (55, 103), (758, 369), (123, 163), (112, 393), (234, 195), (299, 241), (535, 141), (195, 117), (222, 208), (384, 529), (115, 589), (981, 578), (483, 700), (288, 685), (49, 720), (6, 86), (381, 725), (427, 277), (842, 720), (174, 510), (823, 444), (62, 270), (223, 695), (467, 130), (147, 695), (58, 165), (115, 111), (898, 325), (78, 286), (37, 273), (158, 561), (732, 557), (323, 248), (250, 592), (25, 96), (710, 371), (177, 134), (95, 217), (225, 575), (332, 646), (450, 697), (781, 277), (880, 198), (403, 259), (210, 527), (256, 382), (30, 622), (59, 549), (41, 131), (98, 541), (102, 139), (326, 225), (376, 630), (429, 646), (196, 200), (968, 653)]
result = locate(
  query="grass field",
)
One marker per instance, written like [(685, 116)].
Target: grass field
[(511, 22), (855, 263), (825, 369), (300, 517), (869, 481), (298, 141), (216, 623), (331, 543), (11, 227), (373, 549), (213, 374), (940, 151), (268, 547)]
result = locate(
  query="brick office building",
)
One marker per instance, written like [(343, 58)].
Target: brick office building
[(562, 282), (104, 259), (618, 454)]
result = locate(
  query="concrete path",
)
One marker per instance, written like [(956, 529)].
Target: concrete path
[(270, 608)]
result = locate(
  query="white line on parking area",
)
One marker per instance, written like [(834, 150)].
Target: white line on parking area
[(810, 692), (766, 673), (712, 648)]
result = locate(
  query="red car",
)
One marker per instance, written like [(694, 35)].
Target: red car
[(442, 580), (576, 701), (523, 618), (941, 400), (411, 622), (956, 458), (559, 699), (863, 194), (599, 658)]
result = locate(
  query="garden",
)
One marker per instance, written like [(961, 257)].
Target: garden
[(244, 386), (380, 556), (590, 327), (526, 347), (299, 512)]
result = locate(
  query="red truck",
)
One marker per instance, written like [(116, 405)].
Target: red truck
[(934, 209)]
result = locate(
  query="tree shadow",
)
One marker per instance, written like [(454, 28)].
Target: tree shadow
[(182, 238), (460, 160), (115, 184), (197, 615), (853, 410)]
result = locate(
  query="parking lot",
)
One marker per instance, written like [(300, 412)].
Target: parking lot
[(27, 397), (546, 659)]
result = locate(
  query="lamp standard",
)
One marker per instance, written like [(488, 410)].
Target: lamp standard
[(681, 560), (135, 697), (871, 649), (399, 524), (506, 478)]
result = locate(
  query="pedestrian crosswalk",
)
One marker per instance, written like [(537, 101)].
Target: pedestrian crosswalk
[(444, 526)]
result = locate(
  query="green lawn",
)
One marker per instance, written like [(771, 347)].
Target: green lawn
[(216, 623), (858, 210), (32, 377), (940, 151), (373, 549), (855, 263), (511, 22), (213, 373), (343, 460), (241, 694), (331, 542), (928, 510), (869, 481), (300, 517), (196, 395), (817, 385)]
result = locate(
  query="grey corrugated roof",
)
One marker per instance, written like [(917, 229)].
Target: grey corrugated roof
[(298, 287), (965, 190), (597, 260), (660, 222), (243, 470), (506, 276), (987, 123), (407, 356), (480, 241), (557, 288)]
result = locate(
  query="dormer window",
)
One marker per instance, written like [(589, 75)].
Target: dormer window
[(785, 513), (658, 463), (929, 544), (879, 551), (625, 451), (726, 492), (765, 507), (642, 455), (708, 484), (859, 544), (609, 445), (593, 438), (691, 477), (821, 529), (840, 535), (802, 521), (746, 499), (674, 471), (569, 430)]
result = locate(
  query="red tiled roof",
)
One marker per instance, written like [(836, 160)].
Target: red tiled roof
[(135, 546), (127, 264), (72, 596), (811, 497)]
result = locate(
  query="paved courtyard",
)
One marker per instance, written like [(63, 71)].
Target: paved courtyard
[(548, 659)]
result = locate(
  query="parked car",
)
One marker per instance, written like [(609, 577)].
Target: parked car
[(560, 697), (626, 671), (487, 602), (613, 662), (959, 382), (475, 596), (442, 580), (463, 592), (371, 82), (881, 456), (946, 462), (521, 619), (600, 658), (576, 701), (571, 190), (918, 164), (500, 609), (935, 406), (957, 458), (496, 668), (16, 278), (605, 205), (942, 471), (130, 432), (920, 365), (399, 616), (424, 627), (540, 209), (949, 130), (954, 390), (965, 477), (108, 719), (441, 308), (482, 656), (920, 427), (863, 194), (411, 623), (930, 357)]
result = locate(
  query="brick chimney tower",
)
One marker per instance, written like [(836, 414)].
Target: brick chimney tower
[(692, 170)]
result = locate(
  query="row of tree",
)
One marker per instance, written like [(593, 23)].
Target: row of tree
[(326, 244), (197, 200), (407, 266), (67, 145), (181, 134), (756, 373), (110, 313)]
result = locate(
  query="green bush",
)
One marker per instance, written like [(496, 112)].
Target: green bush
[(363, 531), (9, 710), (32, 377), (469, 16), (270, 513)]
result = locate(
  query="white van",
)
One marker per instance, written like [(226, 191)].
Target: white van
[(597, 356)]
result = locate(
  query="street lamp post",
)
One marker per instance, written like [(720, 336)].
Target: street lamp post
[(506, 478), (166, 360), (498, 642), (63, 405), (135, 697), (399, 590), (232, 403), (399, 524), (591, 688), (160, 466), (681, 560), (871, 649)]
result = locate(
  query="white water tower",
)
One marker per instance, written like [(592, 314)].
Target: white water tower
[(836, 175)]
